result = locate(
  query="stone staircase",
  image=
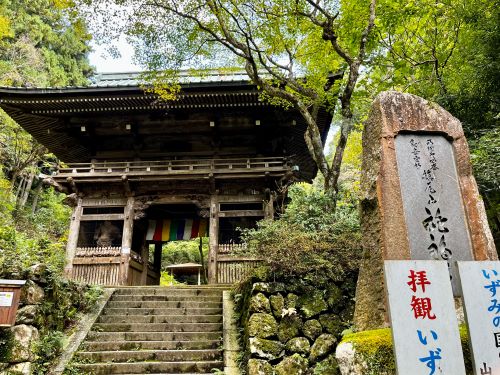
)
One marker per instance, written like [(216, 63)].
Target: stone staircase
[(155, 330)]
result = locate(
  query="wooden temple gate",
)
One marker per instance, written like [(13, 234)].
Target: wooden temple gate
[(141, 172)]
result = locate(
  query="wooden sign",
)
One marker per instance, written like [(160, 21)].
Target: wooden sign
[(432, 204), (10, 292), (423, 319), (481, 296)]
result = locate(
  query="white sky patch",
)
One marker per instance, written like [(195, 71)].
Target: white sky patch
[(104, 63)]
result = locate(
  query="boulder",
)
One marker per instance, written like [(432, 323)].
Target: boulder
[(289, 327), (266, 349), (262, 325), (259, 367), (32, 294), (298, 345), (312, 329), (26, 314), (38, 273), (259, 303), (269, 288), (293, 365), (312, 304), (23, 337), (349, 362), (332, 323), (324, 345), (328, 366), (277, 303)]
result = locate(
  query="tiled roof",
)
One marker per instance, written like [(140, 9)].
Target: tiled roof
[(185, 77), (135, 79)]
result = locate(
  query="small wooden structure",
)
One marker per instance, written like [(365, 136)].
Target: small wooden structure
[(185, 269), (217, 156), (10, 293)]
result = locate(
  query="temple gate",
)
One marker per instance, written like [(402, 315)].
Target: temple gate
[(139, 171)]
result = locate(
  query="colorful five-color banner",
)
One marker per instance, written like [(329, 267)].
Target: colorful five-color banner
[(176, 229)]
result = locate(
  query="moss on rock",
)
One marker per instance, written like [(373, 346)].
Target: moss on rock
[(266, 349), (328, 366), (260, 303), (259, 367), (312, 304), (293, 365), (277, 303), (331, 323), (324, 345), (299, 345), (289, 327), (312, 329), (262, 325)]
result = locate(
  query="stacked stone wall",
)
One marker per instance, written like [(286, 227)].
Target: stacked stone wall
[(293, 328)]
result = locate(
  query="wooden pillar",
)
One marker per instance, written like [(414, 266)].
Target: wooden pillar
[(214, 240), (128, 227), (74, 230), (157, 260), (145, 262)]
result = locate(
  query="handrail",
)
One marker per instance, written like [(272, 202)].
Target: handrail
[(173, 165)]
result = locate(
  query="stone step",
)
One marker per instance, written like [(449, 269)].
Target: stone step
[(162, 311), (157, 327), (211, 291), (174, 297), (164, 304), (153, 336), (150, 355), (93, 346), (160, 318), (150, 367)]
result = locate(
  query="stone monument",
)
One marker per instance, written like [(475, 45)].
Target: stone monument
[(419, 197)]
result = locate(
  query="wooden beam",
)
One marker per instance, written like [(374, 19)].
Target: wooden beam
[(101, 217), (242, 213), (74, 229), (213, 240), (97, 260), (241, 198), (107, 202)]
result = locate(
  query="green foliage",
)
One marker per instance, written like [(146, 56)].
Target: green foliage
[(177, 252), (6, 345), (46, 350), (310, 241), (167, 280), (45, 43)]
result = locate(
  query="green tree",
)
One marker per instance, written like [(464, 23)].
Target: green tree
[(42, 43), (304, 53)]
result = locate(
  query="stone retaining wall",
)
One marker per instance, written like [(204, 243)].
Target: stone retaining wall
[(47, 305), (293, 329)]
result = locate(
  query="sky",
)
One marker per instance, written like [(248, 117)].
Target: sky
[(104, 63)]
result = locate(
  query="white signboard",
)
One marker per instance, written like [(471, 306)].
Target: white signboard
[(423, 319), (432, 203), (481, 295), (6, 299)]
